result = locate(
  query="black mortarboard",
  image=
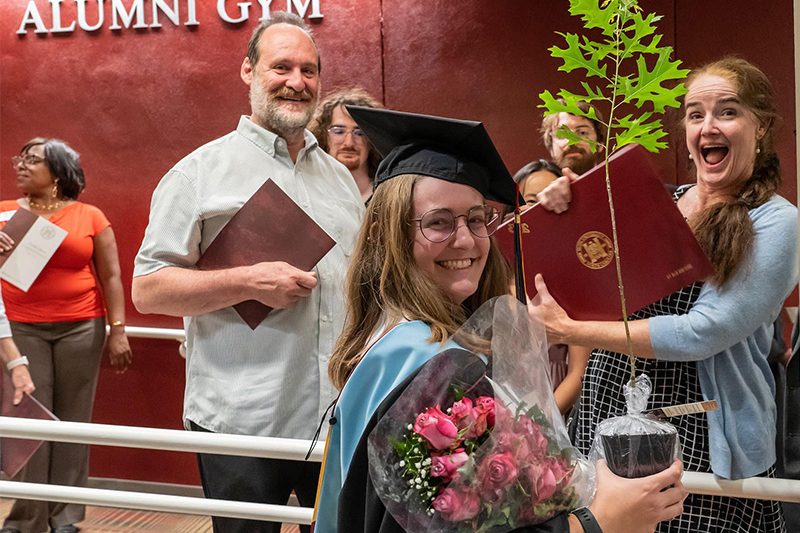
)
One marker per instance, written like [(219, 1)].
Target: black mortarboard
[(454, 150)]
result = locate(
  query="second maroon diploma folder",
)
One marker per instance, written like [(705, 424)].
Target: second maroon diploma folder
[(574, 252), (15, 453), (270, 226)]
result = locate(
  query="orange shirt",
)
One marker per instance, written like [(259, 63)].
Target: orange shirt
[(67, 289)]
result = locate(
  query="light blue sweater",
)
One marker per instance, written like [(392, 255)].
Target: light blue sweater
[(729, 332)]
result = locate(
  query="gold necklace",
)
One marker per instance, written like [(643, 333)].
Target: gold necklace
[(49, 206)]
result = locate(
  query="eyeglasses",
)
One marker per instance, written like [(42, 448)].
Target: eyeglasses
[(28, 160), (438, 225), (340, 132)]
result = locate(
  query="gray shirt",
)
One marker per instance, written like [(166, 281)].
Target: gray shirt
[(271, 381)]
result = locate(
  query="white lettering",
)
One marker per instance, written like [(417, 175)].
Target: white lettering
[(303, 7), (131, 14), (118, 9), (57, 27), (32, 16), (244, 10), (264, 9), (171, 14), (191, 14), (83, 23)]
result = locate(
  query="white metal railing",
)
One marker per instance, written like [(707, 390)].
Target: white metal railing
[(154, 333), (759, 488), (156, 502), (159, 439)]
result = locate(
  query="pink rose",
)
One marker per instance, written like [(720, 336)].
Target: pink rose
[(561, 470), (532, 431), (505, 442), (455, 505), (446, 466), (485, 405), (437, 428), (461, 413), (543, 481), (525, 425), (478, 427), (497, 471)]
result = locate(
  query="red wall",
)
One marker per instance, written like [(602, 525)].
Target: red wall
[(133, 102)]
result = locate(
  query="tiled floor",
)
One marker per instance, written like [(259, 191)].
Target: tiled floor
[(108, 520)]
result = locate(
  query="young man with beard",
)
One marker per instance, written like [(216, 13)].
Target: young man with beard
[(579, 157), (340, 136), (574, 159), (271, 381)]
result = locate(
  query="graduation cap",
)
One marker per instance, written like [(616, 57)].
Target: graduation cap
[(459, 151)]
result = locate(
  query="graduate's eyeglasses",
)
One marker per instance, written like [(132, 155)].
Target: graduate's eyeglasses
[(338, 133), (438, 225), (27, 160)]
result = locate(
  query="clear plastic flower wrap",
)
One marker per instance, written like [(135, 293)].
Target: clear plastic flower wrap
[(636, 444), (476, 441)]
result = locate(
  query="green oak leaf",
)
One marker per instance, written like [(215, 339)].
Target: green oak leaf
[(640, 131), (647, 87), (573, 57)]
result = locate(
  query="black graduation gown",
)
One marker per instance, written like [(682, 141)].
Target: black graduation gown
[(360, 508)]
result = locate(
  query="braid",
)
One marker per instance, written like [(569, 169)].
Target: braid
[(725, 231)]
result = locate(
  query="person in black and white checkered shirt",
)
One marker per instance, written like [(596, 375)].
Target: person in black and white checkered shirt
[(709, 340)]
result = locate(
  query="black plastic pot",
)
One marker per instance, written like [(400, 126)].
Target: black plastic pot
[(635, 456)]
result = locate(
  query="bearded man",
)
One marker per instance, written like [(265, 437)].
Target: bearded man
[(270, 381), (577, 157)]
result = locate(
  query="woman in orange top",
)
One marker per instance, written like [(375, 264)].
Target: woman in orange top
[(59, 323)]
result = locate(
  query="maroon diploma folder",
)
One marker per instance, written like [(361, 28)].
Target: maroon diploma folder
[(15, 453), (268, 227), (574, 250)]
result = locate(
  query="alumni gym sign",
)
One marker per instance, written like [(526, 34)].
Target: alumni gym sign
[(92, 15)]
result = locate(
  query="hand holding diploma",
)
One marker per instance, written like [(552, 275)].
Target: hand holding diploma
[(545, 309), (557, 196), (6, 242), (280, 285)]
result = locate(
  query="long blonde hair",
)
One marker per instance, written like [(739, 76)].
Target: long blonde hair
[(724, 230), (385, 283)]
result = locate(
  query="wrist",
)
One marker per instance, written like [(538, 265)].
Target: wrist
[(602, 518), (587, 520), (573, 332), (19, 361)]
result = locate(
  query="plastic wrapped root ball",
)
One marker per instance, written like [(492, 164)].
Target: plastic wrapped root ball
[(636, 444)]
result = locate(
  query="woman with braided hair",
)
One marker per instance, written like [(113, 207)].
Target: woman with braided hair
[(709, 340)]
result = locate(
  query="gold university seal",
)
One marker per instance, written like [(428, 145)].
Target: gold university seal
[(594, 250)]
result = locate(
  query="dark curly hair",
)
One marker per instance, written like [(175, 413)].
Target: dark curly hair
[(322, 119)]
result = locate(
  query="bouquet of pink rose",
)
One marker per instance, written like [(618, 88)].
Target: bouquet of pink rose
[(497, 456)]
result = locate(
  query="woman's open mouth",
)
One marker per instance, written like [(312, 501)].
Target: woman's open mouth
[(714, 154)]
